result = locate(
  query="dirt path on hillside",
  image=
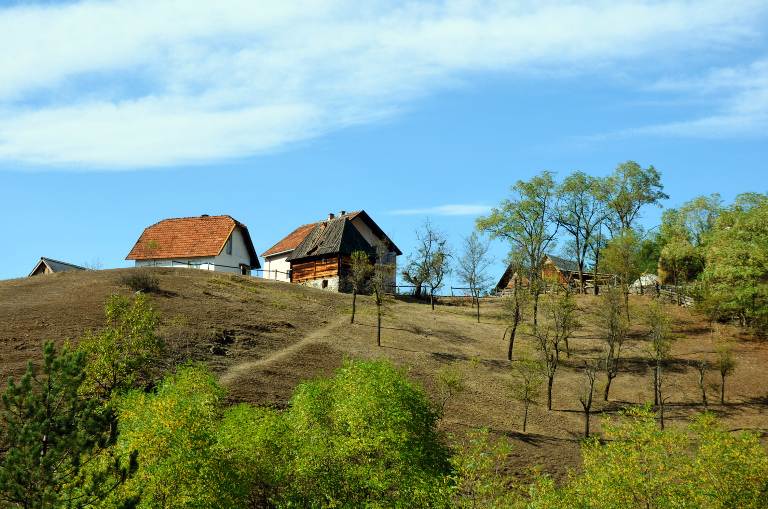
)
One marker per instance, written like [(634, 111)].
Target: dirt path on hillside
[(280, 356)]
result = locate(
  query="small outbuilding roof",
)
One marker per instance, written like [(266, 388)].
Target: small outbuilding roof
[(334, 236), (191, 237), (53, 266)]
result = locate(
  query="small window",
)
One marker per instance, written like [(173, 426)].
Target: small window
[(325, 283), (229, 245)]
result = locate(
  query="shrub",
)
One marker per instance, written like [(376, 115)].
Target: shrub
[(141, 281)]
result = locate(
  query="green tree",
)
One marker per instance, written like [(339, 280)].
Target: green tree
[(638, 465), (365, 438), (580, 210), (659, 326), (476, 476), (614, 329), (737, 270), (52, 437), (620, 258), (450, 380), (174, 432), (359, 275), (125, 349), (472, 265), (526, 383), (725, 364), (526, 221), (553, 333), (628, 190)]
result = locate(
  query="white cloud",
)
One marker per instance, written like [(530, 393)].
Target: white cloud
[(739, 96), (446, 210), (141, 83)]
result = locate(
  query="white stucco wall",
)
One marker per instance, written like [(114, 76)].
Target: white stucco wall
[(276, 267)]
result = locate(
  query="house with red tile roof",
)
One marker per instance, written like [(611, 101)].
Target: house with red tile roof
[(276, 263), (217, 243)]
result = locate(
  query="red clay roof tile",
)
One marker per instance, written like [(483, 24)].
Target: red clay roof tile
[(187, 237)]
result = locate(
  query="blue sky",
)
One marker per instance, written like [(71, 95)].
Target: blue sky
[(117, 114)]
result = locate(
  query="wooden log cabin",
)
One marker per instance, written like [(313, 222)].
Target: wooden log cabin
[(323, 259)]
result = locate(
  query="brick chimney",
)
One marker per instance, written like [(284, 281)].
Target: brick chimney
[(342, 212), (330, 216)]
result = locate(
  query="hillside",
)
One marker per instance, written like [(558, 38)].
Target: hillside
[(269, 335)]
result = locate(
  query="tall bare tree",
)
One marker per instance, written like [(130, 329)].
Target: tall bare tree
[(472, 266), (429, 264)]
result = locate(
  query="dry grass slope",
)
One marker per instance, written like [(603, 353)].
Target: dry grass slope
[(262, 337)]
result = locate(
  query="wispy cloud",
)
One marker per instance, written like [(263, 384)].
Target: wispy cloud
[(143, 83), (738, 98), (446, 210)]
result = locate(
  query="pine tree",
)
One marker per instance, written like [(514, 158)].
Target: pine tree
[(57, 442)]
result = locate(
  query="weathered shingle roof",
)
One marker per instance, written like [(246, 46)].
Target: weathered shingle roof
[(335, 236), (299, 234), (191, 237), (563, 264), (55, 265)]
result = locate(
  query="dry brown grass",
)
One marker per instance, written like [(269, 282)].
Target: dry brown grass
[(276, 334)]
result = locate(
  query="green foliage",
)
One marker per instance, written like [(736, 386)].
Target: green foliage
[(525, 220), (737, 268), (174, 433), (450, 380), (527, 377), (51, 434), (125, 349), (629, 189), (641, 466), (366, 438), (476, 478)]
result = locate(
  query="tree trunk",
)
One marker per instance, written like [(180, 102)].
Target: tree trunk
[(378, 329), (586, 422), (432, 299), (607, 388), (656, 385), (722, 389), (525, 417), (549, 392), (354, 297), (511, 342)]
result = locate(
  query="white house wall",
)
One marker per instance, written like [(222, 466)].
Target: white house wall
[(231, 263), (276, 267)]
